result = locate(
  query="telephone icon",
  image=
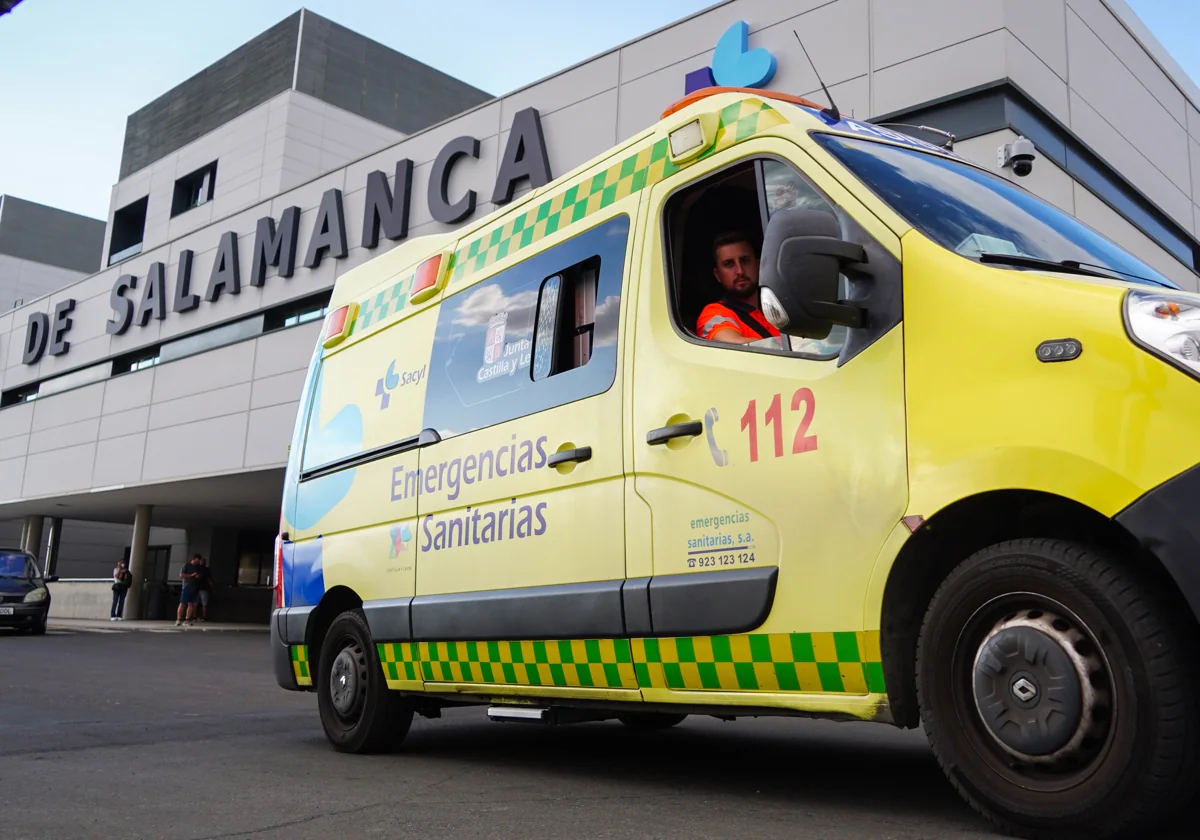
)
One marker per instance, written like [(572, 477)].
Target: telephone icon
[(720, 456)]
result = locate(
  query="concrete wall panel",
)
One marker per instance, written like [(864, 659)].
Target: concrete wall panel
[(59, 471), (268, 435), (206, 372), (928, 77), (69, 434), (119, 460), (217, 402), (201, 448), (12, 477), (124, 423), (1041, 25)]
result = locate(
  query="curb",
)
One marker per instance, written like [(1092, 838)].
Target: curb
[(134, 628)]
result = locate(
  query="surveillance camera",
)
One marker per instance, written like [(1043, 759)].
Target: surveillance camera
[(1019, 154)]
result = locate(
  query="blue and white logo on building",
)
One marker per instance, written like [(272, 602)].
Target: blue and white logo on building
[(734, 64)]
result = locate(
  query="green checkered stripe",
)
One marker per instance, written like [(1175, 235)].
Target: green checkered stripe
[(299, 654), (651, 164), (813, 663), (818, 663), (578, 663), (736, 122), (381, 306)]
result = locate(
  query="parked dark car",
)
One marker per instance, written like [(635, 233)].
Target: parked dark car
[(24, 598)]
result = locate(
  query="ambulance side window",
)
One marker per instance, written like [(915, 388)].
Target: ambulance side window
[(565, 332), (333, 439), (537, 335), (740, 198)]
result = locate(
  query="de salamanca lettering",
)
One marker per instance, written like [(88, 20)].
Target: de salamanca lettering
[(136, 300)]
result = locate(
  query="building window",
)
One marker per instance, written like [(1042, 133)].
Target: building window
[(194, 189), (255, 558), (19, 395), (138, 360), (128, 230), (298, 312), (75, 379), (213, 338)]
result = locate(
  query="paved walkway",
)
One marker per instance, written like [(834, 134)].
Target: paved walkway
[(102, 625)]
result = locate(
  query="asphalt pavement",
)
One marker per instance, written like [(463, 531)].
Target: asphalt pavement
[(185, 736)]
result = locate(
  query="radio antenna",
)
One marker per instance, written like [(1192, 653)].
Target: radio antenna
[(832, 110)]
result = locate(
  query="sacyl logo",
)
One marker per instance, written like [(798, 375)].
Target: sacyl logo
[(385, 386)]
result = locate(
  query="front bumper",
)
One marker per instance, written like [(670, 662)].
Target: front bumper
[(1166, 521), (24, 615)]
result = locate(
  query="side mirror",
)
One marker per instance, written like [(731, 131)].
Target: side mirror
[(51, 579), (802, 258)]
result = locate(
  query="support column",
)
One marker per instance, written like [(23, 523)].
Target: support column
[(137, 561), (50, 566), (31, 536)]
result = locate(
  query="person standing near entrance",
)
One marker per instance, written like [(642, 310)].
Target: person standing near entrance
[(203, 588), (122, 580), (190, 594)]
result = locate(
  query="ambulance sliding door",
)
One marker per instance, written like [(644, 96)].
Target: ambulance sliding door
[(521, 503)]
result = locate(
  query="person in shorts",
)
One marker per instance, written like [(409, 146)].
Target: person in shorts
[(203, 587), (190, 595)]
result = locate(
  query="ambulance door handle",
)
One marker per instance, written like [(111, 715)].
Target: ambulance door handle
[(654, 437), (567, 456)]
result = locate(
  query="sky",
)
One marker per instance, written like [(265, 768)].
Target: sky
[(71, 71)]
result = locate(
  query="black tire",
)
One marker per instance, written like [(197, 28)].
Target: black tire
[(651, 720), (364, 716), (1119, 754)]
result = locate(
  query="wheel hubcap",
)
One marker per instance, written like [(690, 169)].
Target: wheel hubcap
[(1039, 688), (345, 682)]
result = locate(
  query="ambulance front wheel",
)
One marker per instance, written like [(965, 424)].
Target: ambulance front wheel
[(358, 712), (1058, 689), (651, 720)]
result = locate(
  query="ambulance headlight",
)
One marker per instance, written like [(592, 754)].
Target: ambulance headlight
[(1167, 325)]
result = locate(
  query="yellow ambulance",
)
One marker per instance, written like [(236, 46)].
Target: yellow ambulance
[(953, 485)]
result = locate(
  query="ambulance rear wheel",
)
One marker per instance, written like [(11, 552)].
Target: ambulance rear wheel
[(1059, 692), (358, 711), (650, 720)]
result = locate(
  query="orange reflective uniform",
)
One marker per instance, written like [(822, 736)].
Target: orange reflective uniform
[(727, 313)]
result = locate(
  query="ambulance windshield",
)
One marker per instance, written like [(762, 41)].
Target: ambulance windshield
[(975, 213)]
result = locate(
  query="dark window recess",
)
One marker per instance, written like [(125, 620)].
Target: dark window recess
[(194, 189), (135, 361), (255, 558), (18, 395), (128, 229), (297, 312), (566, 320), (483, 369), (740, 197)]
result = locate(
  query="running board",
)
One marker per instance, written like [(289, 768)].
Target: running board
[(554, 716), (525, 714)]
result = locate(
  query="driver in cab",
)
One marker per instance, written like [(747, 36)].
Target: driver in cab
[(736, 318)]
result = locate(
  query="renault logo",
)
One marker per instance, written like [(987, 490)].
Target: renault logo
[(1024, 690)]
